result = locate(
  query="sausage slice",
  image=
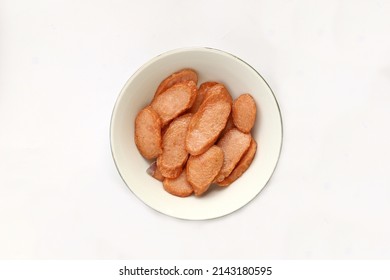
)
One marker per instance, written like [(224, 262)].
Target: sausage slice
[(203, 88), (208, 122), (178, 186), (147, 135), (233, 144), (174, 101), (242, 165), (244, 112), (202, 169), (217, 88), (174, 153), (177, 77)]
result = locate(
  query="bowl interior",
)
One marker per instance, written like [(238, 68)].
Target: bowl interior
[(211, 65)]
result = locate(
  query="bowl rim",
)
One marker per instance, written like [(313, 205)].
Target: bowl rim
[(188, 49)]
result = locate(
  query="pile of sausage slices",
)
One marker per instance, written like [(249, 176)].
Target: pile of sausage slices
[(197, 136)]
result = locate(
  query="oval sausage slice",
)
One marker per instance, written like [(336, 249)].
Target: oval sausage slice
[(174, 101), (178, 186), (217, 88), (242, 165), (203, 88), (177, 77), (208, 122), (244, 112), (202, 169), (174, 153), (233, 144), (147, 134)]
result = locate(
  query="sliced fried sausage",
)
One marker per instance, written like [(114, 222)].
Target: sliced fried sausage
[(168, 172), (147, 135), (208, 122), (177, 77), (202, 169), (234, 144), (174, 101), (178, 186), (174, 154), (203, 88), (218, 88), (244, 112), (242, 165)]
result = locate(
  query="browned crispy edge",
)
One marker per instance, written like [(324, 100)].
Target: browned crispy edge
[(173, 191)]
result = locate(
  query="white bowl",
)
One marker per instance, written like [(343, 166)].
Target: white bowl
[(211, 65)]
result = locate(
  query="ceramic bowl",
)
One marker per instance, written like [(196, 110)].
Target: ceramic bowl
[(211, 65)]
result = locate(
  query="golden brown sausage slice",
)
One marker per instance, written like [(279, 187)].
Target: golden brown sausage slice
[(169, 172), (174, 101), (178, 186), (234, 144), (218, 88), (203, 88), (208, 122), (202, 169), (242, 165), (174, 154), (155, 172), (147, 135), (244, 112), (177, 77)]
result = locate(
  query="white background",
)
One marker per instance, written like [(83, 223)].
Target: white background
[(63, 64)]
